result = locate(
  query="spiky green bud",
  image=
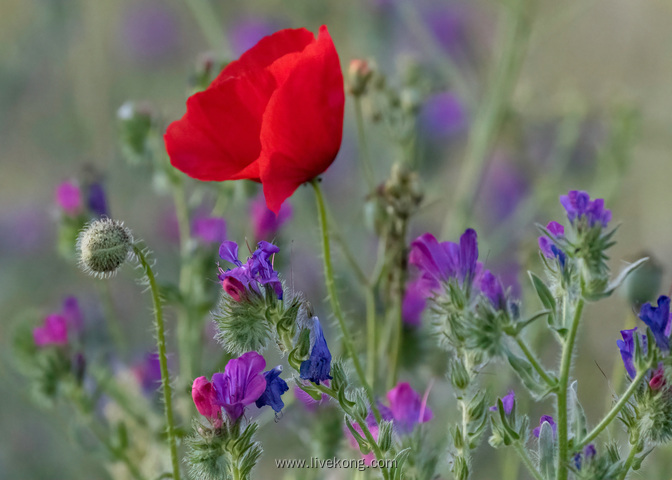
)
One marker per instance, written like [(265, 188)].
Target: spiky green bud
[(104, 246)]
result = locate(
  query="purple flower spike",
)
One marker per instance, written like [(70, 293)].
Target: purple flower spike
[(241, 384), (545, 243), (407, 408), (265, 223), (275, 388), (148, 373), (73, 314), (659, 321), (210, 230), (437, 262), (245, 33), (578, 205), (545, 419), (443, 115), (53, 332), (508, 401), (627, 348), (69, 198), (493, 290), (317, 367)]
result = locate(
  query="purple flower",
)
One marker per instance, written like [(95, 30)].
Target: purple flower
[(658, 319), (587, 455), (627, 348), (205, 398), (95, 200), (508, 401), (317, 367), (578, 205), (72, 313), (275, 388), (545, 419), (258, 270), (492, 288), (439, 262), (148, 373), (53, 332), (149, 31), (443, 115), (245, 33), (504, 187), (69, 197), (414, 302), (209, 229), (241, 384), (407, 408), (545, 243), (265, 222)]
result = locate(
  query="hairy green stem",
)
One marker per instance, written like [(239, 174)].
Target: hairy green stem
[(634, 450), (333, 298), (563, 382), (527, 461), (364, 154), (370, 337), (613, 412), (163, 361), (534, 362), (491, 115)]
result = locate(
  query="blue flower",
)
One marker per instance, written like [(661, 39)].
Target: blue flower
[(275, 388), (507, 401), (659, 321), (627, 347), (317, 367)]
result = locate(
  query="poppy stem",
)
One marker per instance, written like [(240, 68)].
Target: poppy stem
[(333, 298), (161, 345)]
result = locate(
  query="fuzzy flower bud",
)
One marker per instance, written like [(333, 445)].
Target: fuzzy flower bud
[(103, 246), (359, 75)]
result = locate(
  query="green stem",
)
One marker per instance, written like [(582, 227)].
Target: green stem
[(634, 450), (370, 336), (161, 344), (363, 144), (491, 115), (535, 363), (565, 366), (613, 412), (210, 26), (333, 298), (527, 461)]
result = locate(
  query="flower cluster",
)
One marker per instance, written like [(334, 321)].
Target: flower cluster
[(243, 383), (56, 326), (249, 278)]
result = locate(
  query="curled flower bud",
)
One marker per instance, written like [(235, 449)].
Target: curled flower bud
[(103, 246), (205, 399), (359, 74)]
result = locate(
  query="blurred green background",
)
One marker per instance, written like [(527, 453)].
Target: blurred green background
[(67, 66)]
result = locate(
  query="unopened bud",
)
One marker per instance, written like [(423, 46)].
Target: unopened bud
[(103, 246), (136, 121), (385, 436), (359, 75)]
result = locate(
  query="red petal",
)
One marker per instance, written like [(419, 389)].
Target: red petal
[(303, 122), (268, 50), (218, 138)]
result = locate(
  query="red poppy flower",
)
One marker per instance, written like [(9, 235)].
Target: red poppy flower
[(274, 116)]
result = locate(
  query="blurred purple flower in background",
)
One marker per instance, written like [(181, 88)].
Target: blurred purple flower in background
[(443, 115), (504, 187), (209, 229), (148, 373), (448, 24), (266, 223), (96, 200), (54, 331), (149, 31), (69, 197), (24, 228), (407, 408), (309, 402), (246, 32)]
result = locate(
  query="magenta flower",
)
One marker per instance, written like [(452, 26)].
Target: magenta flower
[(205, 399), (148, 373), (69, 197), (241, 384), (407, 408), (209, 229), (265, 222), (414, 302), (545, 419), (53, 332)]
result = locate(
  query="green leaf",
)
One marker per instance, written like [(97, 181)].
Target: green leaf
[(618, 281), (576, 414), (546, 451), (545, 296)]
